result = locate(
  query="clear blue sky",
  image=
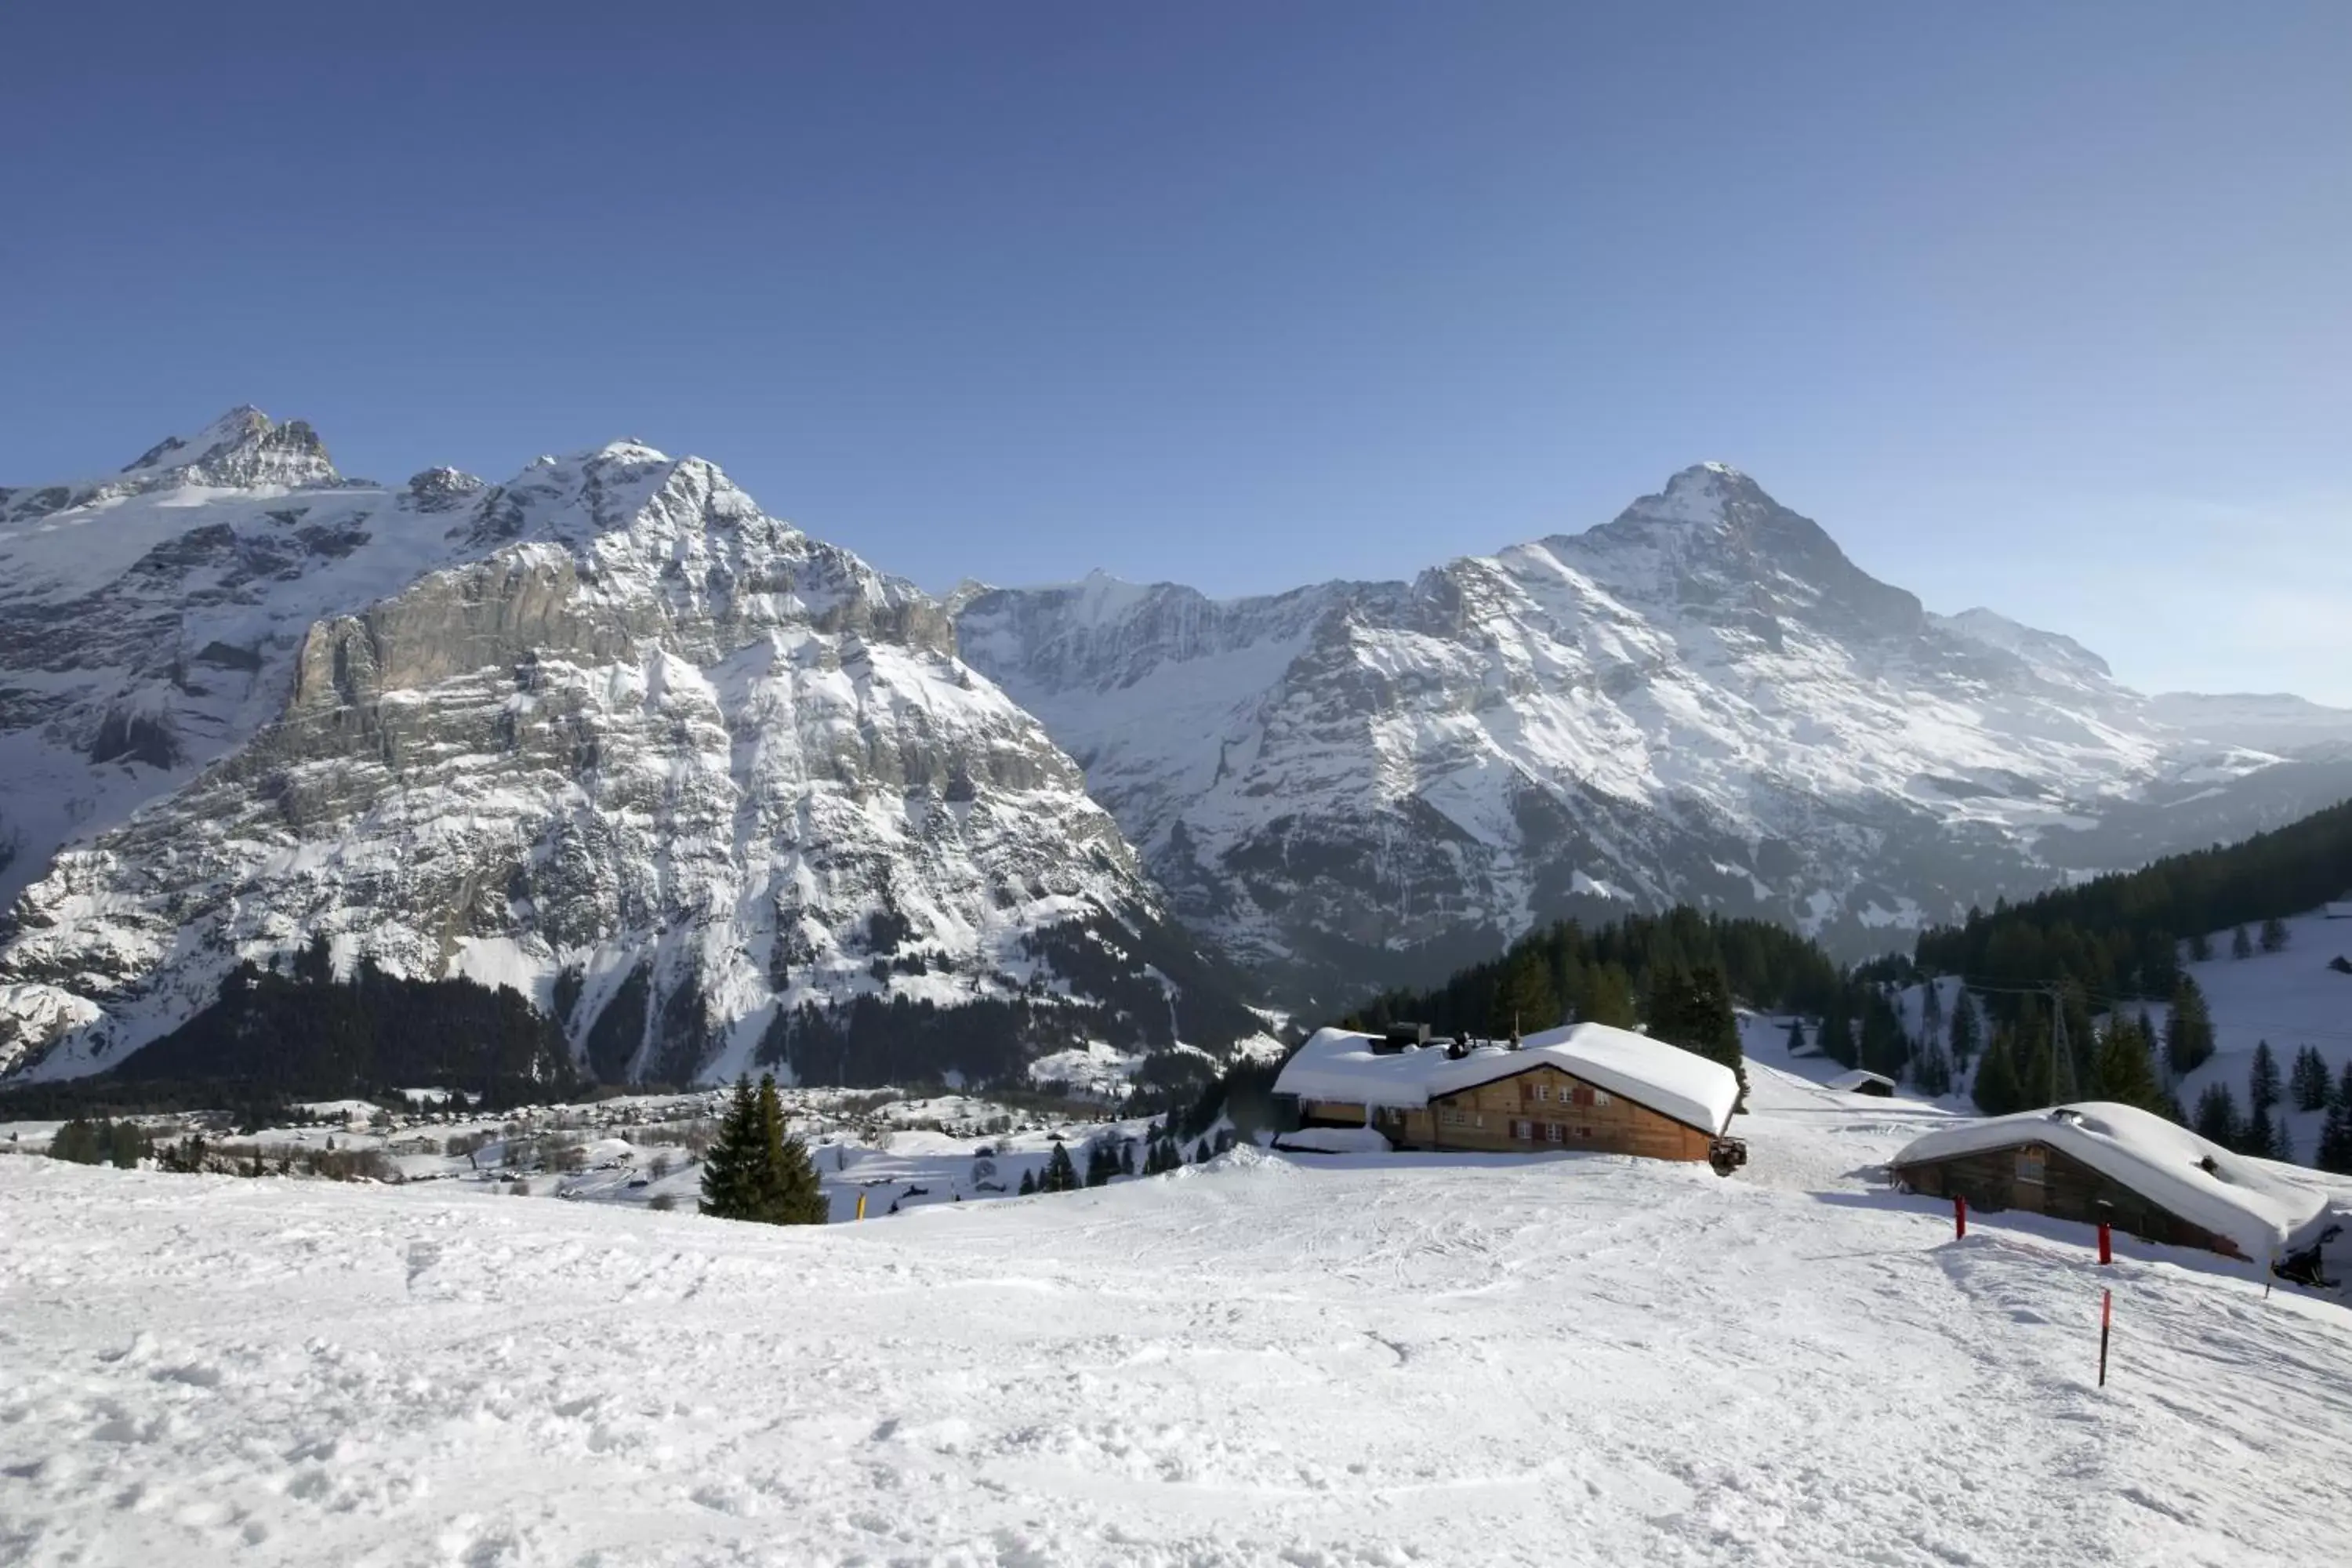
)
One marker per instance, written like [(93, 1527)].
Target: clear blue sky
[(2045, 306)]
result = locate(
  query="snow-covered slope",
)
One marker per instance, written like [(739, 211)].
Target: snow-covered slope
[(1703, 699), (606, 733), (2288, 999), (1345, 1362)]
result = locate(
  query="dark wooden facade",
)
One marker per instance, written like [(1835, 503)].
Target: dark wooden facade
[(1539, 1110), (2041, 1178)]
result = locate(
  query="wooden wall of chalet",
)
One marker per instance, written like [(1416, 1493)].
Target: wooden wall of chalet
[(1516, 1115), (2065, 1188)]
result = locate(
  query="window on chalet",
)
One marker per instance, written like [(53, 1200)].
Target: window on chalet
[(1523, 1131), (2031, 1166), (1554, 1134)]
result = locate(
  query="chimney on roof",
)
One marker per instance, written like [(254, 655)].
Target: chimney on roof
[(1397, 1037)]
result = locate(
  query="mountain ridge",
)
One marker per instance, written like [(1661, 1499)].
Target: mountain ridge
[(1703, 697), (707, 789)]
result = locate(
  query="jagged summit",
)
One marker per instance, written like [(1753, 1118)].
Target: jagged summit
[(1714, 543), (1712, 493), (1702, 491), (242, 449), (442, 489)]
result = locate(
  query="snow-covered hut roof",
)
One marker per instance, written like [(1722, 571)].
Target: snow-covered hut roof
[(1342, 1065), (2163, 1162), (1857, 1080)]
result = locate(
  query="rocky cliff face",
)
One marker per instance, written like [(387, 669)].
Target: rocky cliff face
[(707, 789), (1702, 700)]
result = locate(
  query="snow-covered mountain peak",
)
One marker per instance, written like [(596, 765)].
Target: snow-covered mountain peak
[(620, 485), (1704, 493), (1715, 546), (243, 449), (442, 489)]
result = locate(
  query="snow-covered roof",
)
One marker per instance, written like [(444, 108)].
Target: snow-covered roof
[(1854, 1078), (1342, 1065), (2163, 1162)]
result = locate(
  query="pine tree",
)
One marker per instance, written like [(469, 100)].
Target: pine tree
[(1883, 1049), (2126, 1073), (787, 1189), (1524, 1000), (1608, 996), (1127, 1156), (2262, 1079), (2216, 1118), (1100, 1165), (756, 1170), (1931, 1069), (2037, 1073), (2334, 1152), (2262, 1137), (1796, 1046), (1028, 1183), (1836, 1039), (2200, 948), (2240, 944), (2189, 1032), (126, 1144), (1997, 1089), (1061, 1175), (727, 1171), (1965, 1033), (2273, 935), (2308, 1081), (1693, 1010)]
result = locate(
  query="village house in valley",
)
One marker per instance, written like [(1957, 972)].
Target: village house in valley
[(1583, 1086), (2095, 1160)]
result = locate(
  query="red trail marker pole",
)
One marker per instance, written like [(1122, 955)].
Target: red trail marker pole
[(2107, 1243), (2106, 1320), (1959, 1214)]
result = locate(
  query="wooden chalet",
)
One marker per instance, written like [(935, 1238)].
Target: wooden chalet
[(1587, 1087), (1861, 1081), (2147, 1176)]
